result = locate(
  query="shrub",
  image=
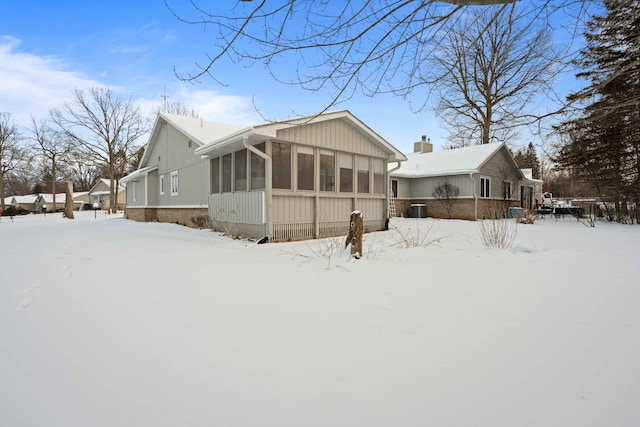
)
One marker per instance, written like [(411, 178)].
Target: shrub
[(14, 211), (498, 233)]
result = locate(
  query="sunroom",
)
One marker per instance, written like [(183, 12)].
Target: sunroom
[(302, 180)]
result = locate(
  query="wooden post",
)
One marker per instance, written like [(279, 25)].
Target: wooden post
[(68, 204), (355, 234)]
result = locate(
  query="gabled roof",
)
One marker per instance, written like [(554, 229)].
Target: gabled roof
[(29, 198), (448, 162), (199, 131), (258, 133), (105, 181), (60, 198)]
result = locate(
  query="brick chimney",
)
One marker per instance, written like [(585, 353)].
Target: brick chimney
[(423, 146)]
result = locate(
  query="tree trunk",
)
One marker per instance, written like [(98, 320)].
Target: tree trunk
[(356, 227), (68, 204), (115, 204), (53, 183), (1, 188)]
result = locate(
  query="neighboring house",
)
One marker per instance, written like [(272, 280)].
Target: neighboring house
[(486, 177), (81, 200), (100, 194), (287, 180), (8, 201), (27, 202), (45, 202)]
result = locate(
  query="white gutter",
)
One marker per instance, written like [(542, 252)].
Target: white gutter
[(267, 183), (475, 197)]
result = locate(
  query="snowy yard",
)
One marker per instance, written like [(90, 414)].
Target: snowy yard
[(108, 322)]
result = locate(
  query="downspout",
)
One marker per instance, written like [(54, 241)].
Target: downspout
[(475, 197), (267, 184)]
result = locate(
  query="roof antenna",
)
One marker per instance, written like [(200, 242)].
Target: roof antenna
[(164, 97)]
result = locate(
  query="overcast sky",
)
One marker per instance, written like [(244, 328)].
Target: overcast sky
[(48, 49)]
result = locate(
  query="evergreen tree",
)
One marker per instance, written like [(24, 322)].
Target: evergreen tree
[(528, 159), (602, 144), (532, 161)]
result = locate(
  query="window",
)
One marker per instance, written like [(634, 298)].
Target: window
[(363, 174), (174, 183), (346, 173), (215, 175), (506, 190), (394, 187), (327, 171), (305, 169), (281, 155), (240, 170), (258, 169), (378, 176), (133, 191), (161, 185), (485, 187), (226, 173)]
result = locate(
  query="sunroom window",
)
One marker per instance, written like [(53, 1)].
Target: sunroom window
[(363, 174), (346, 173), (327, 171), (258, 169), (305, 168), (281, 155)]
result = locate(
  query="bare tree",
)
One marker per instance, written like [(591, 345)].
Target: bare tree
[(105, 127), (82, 171), (367, 46), (491, 66), (447, 194), (20, 181), (175, 107), (52, 146), (12, 154)]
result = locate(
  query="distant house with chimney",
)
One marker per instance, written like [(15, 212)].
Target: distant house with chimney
[(482, 181)]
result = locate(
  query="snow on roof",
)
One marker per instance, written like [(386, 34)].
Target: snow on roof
[(201, 131), (448, 162)]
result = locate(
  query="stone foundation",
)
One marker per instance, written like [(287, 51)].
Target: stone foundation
[(461, 209)]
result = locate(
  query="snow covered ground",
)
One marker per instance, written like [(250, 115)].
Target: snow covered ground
[(108, 322)]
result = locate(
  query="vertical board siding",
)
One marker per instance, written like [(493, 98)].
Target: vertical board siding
[(333, 134), (294, 217), (172, 153), (245, 208)]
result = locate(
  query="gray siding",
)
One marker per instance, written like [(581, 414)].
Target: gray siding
[(423, 188), (334, 135), (499, 169), (136, 187), (172, 153), (247, 208)]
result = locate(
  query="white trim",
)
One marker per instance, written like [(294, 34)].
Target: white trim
[(175, 183), (485, 194)]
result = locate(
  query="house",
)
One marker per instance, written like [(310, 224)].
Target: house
[(100, 194), (482, 181), (286, 180), (25, 202), (44, 202)]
